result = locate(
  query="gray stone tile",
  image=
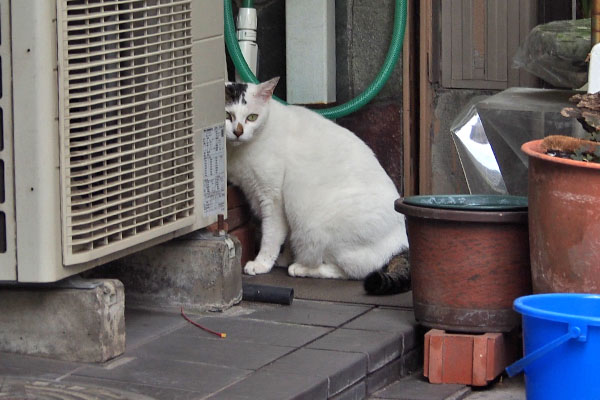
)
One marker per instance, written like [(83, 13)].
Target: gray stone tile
[(342, 369), (417, 388), (504, 389), (390, 320), (35, 388), (357, 391), (37, 367), (308, 312), (155, 392), (254, 331), (222, 352), (408, 364), (384, 376), (276, 385), (144, 325), (412, 362), (202, 378), (379, 347)]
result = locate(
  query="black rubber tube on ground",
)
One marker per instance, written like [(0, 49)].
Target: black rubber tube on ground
[(267, 294)]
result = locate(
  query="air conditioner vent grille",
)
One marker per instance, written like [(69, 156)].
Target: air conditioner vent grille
[(126, 120)]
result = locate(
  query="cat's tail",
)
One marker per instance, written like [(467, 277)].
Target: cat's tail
[(393, 278)]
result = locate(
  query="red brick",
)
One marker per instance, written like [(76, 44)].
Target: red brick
[(235, 197), (236, 217), (469, 359), (246, 235)]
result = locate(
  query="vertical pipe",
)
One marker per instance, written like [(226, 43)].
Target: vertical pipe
[(595, 14)]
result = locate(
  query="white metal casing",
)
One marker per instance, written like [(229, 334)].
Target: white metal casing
[(112, 104), (310, 51)]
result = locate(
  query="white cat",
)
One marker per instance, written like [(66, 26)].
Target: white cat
[(313, 182)]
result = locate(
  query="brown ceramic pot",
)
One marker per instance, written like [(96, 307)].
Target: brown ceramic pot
[(467, 267), (564, 222)]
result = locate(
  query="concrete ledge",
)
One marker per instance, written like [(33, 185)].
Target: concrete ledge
[(200, 272), (73, 320)]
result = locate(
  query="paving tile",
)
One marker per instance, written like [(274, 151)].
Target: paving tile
[(308, 312), (168, 374), (408, 364), (144, 325), (379, 347), (504, 389), (222, 352), (276, 385), (417, 388), (253, 331), (358, 391), (37, 367), (156, 392), (384, 376), (342, 369), (21, 388), (390, 320)]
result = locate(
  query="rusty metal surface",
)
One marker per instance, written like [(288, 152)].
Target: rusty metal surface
[(467, 272), (564, 221)]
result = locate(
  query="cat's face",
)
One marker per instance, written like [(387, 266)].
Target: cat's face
[(246, 109)]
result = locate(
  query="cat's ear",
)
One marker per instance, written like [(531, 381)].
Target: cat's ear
[(266, 89)]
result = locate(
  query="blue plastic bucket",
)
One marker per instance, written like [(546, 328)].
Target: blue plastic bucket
[(561, 343)]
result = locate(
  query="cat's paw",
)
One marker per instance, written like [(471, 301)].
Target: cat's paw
[(256, 267), (298, 270)]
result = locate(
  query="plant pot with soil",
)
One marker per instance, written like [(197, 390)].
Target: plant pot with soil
[(564, 205)]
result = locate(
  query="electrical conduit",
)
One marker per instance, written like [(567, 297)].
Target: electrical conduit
[(394, 51)]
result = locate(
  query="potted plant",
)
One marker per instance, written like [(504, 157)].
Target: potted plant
[(564, 205)]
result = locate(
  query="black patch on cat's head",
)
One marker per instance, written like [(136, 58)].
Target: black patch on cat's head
[(235, 93)]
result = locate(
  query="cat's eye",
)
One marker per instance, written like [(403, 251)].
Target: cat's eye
[(252, 117), (228, 116)]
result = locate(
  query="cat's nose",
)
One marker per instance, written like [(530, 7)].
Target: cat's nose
[(239, 130)]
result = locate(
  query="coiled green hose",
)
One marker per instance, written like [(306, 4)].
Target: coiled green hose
[(359, 101)]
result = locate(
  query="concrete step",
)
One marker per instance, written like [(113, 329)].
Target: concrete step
[(308, 350)]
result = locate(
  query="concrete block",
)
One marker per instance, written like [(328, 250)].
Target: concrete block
[(200, 272), (469, 359), (74, 320)]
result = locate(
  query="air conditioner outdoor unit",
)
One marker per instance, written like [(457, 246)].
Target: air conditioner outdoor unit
[(111, 139)]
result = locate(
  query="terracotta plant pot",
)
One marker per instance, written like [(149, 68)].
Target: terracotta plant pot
[(468, 263), (564, 222)]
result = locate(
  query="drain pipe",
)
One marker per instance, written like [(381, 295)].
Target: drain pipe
[(394, 50), (246, 36)]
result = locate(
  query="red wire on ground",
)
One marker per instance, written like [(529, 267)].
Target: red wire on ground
[(221, 335)]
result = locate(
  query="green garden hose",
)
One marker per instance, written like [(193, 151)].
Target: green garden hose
[(341, 110)]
